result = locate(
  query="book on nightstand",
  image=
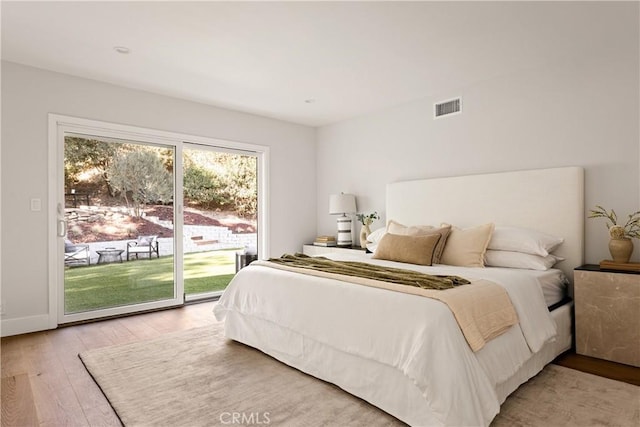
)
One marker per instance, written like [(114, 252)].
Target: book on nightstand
[(325, 241)]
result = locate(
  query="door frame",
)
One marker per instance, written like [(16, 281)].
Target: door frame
[(61, 124)]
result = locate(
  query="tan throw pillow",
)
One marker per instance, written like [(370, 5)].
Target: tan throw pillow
[(409, 249), (444, 234), (466, 247), (394, 227)]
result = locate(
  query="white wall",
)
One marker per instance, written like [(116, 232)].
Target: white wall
[(29, 94), (581, 112)]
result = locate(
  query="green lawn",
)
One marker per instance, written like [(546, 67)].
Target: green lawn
[(136, 281)]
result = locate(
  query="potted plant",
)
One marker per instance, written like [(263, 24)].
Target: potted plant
[(366, 221), (620, 244)]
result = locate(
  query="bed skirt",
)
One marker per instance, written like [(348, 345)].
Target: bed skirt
[(372, 380)]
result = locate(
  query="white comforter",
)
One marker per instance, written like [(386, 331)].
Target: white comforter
[(415, 335)]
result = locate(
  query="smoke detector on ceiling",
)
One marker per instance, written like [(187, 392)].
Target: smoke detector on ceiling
[(447, 108)]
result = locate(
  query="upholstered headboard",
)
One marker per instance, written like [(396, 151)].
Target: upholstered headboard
[(548, 200)]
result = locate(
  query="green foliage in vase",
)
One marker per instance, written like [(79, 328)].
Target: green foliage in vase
[(367, 219), (631, 229)]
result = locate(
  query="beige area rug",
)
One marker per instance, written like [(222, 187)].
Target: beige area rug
[(199, 378)]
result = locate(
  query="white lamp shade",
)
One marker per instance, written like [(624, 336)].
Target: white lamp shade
[(342, 203)]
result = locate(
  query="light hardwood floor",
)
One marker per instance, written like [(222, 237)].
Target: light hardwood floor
[(44, 383)]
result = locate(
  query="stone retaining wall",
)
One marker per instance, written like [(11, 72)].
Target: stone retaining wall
[(220, 238)]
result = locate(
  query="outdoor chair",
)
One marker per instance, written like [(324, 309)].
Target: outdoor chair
[(143, 245), (76, 254)]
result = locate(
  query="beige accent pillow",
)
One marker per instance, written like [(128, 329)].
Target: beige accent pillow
[(466, 247), (394, 227), (409, 249)]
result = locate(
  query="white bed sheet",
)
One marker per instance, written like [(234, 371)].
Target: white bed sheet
[(553, 282), (554, 285), (296, 318)]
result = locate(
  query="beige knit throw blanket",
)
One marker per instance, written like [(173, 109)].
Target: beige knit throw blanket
[(482, 308)]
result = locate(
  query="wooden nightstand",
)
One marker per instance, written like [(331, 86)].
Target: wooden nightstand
[(607, 310), (313, 250)]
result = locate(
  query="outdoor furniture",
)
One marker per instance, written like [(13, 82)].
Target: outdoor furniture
[(107, 255), (242, 260), (143, 245), (74, 197), (76, 254)]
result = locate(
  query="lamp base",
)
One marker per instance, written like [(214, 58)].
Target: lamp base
[(344, 231)]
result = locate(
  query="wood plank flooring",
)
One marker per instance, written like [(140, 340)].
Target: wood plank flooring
[(603, 368), (45, 384)]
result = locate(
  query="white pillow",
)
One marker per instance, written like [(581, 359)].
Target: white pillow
[(512, 259), (374, 238), (523, 240)]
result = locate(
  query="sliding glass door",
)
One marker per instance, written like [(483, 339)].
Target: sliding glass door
[(117, 221), (220, 189), (141, 219)]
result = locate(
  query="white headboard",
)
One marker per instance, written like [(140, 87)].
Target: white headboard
[(548, 200)]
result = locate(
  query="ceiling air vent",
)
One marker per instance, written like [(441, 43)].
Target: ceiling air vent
[(445, 108)]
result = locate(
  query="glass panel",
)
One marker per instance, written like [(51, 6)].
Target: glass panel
[(220, 198), (119, 213)]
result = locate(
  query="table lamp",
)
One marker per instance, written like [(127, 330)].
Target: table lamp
[(342, 204)]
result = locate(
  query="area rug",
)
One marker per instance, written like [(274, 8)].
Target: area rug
[(199, 378)]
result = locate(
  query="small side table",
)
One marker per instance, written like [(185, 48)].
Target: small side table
[(108, 255), (607, 310)]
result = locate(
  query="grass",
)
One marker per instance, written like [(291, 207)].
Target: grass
[(111, 285)]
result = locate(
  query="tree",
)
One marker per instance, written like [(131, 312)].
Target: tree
[(141, 177), (82, 155), (203, 187), (242, 184), (221, 180)]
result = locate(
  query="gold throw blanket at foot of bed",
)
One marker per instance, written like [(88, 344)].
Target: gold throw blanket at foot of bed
[(482, 308)]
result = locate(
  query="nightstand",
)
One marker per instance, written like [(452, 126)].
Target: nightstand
[(607, 314), (313, 250)]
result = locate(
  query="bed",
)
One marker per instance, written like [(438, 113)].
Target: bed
[(404, 353)]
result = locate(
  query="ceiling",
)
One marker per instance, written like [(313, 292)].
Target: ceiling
[(312, 63)]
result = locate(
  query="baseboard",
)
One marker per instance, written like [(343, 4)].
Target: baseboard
[(24, 325)]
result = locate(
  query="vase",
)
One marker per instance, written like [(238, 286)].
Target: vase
[(364, 233), (621, 249)]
